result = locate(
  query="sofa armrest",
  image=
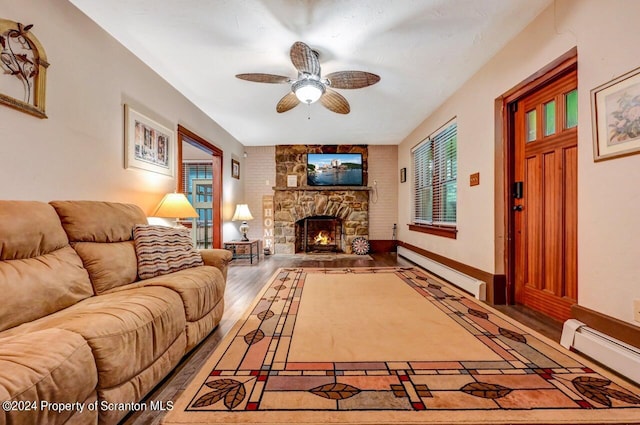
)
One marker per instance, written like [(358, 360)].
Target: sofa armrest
[(218, 258)]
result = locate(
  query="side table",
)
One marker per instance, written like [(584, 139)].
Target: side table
[(244, 249)]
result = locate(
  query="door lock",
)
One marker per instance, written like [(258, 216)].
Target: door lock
[(517, 207)]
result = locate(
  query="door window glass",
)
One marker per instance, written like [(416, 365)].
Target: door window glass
[(550, 118), (571, 102), (531, 125)]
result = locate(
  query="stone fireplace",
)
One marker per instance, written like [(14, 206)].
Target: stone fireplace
[(351, 207), (343, 211)]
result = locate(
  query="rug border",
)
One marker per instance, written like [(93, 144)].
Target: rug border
[(550, 416)]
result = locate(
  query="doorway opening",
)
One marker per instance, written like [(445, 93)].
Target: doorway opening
[(200, 179)]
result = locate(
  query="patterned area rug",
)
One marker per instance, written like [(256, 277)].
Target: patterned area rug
[(330, 256), (392, 346)]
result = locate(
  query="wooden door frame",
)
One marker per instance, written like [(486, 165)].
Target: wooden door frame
[(188, 136), (563, 64)]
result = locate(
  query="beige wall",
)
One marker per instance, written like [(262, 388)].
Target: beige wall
[(77, 153), (261, 168), (607, 36)]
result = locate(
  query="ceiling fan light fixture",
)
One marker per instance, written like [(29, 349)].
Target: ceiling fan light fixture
[(308, 90)]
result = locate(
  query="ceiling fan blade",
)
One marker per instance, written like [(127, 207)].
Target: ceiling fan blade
[(351, 79), (290, 101), (264, 78), (335, 102), (304, 58)]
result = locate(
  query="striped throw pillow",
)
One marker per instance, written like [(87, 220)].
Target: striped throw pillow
[(162, 250)]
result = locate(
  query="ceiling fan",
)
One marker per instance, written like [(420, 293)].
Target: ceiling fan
[(310, 86)]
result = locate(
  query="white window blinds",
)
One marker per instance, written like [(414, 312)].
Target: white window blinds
[(435, 171)]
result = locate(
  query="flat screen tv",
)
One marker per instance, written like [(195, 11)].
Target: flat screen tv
[(334, 169)]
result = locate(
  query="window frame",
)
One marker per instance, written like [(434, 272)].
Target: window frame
[(438, 228)]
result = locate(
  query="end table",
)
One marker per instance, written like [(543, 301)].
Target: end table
[(244, 249)]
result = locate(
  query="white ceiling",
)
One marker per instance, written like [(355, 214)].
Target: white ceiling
[(423, 51)]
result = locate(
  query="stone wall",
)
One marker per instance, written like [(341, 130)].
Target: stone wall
[(350, 204)]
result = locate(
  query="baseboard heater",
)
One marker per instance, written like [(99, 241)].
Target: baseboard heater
[(467, 283), (616, 355)]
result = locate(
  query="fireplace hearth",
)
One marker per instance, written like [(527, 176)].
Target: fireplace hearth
[(319, 234)]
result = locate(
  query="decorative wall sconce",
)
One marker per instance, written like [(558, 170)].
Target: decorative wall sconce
[(23, 65)]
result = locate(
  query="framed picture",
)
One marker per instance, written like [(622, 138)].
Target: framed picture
[(615, 110), (23, 69), (235, 169), (149, 146), (403, 175)]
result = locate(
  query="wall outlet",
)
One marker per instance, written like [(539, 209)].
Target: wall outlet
[(636, 310)]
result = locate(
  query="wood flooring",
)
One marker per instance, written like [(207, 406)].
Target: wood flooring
[(244, 281)]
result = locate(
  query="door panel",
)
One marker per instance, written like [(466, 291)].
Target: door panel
[(545, 218)]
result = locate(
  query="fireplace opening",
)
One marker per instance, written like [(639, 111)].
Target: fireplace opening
[(319, 234)]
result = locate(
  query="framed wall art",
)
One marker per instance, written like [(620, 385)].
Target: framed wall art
[(23, 69), (149, 145), (615, 110), (235, 169)]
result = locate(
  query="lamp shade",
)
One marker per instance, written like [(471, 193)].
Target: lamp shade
[(174, 205), (242, 213)]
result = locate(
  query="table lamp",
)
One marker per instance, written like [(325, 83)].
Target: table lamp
[(175, 205), (243, 214)]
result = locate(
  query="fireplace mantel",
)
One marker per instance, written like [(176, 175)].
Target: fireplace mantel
[(323, 188)]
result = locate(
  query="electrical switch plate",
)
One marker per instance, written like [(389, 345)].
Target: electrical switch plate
[(636, 310)]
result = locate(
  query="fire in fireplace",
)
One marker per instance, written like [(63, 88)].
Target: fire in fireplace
[(319, 234), (323, 238)]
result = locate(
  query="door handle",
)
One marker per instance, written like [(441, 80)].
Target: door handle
[(517, 207)]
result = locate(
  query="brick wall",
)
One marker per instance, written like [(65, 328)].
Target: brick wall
[(383, 200), (260, 177)]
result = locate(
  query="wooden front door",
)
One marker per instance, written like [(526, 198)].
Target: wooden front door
[(544, 191)]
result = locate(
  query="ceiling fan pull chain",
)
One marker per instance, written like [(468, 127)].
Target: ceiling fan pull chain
[(309, 111)]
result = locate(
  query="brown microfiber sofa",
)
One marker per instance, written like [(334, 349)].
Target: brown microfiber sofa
[(77, 325)]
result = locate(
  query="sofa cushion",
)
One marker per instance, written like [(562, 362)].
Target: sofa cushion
[(41, 286), (95, 221), (29, 229), (137, 387), (127, 330), (201, 288), (39, 272), (51, 365), (162, 250), (101, 232), (120, 269)]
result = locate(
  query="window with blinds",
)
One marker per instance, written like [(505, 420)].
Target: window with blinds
[(435, 171)]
